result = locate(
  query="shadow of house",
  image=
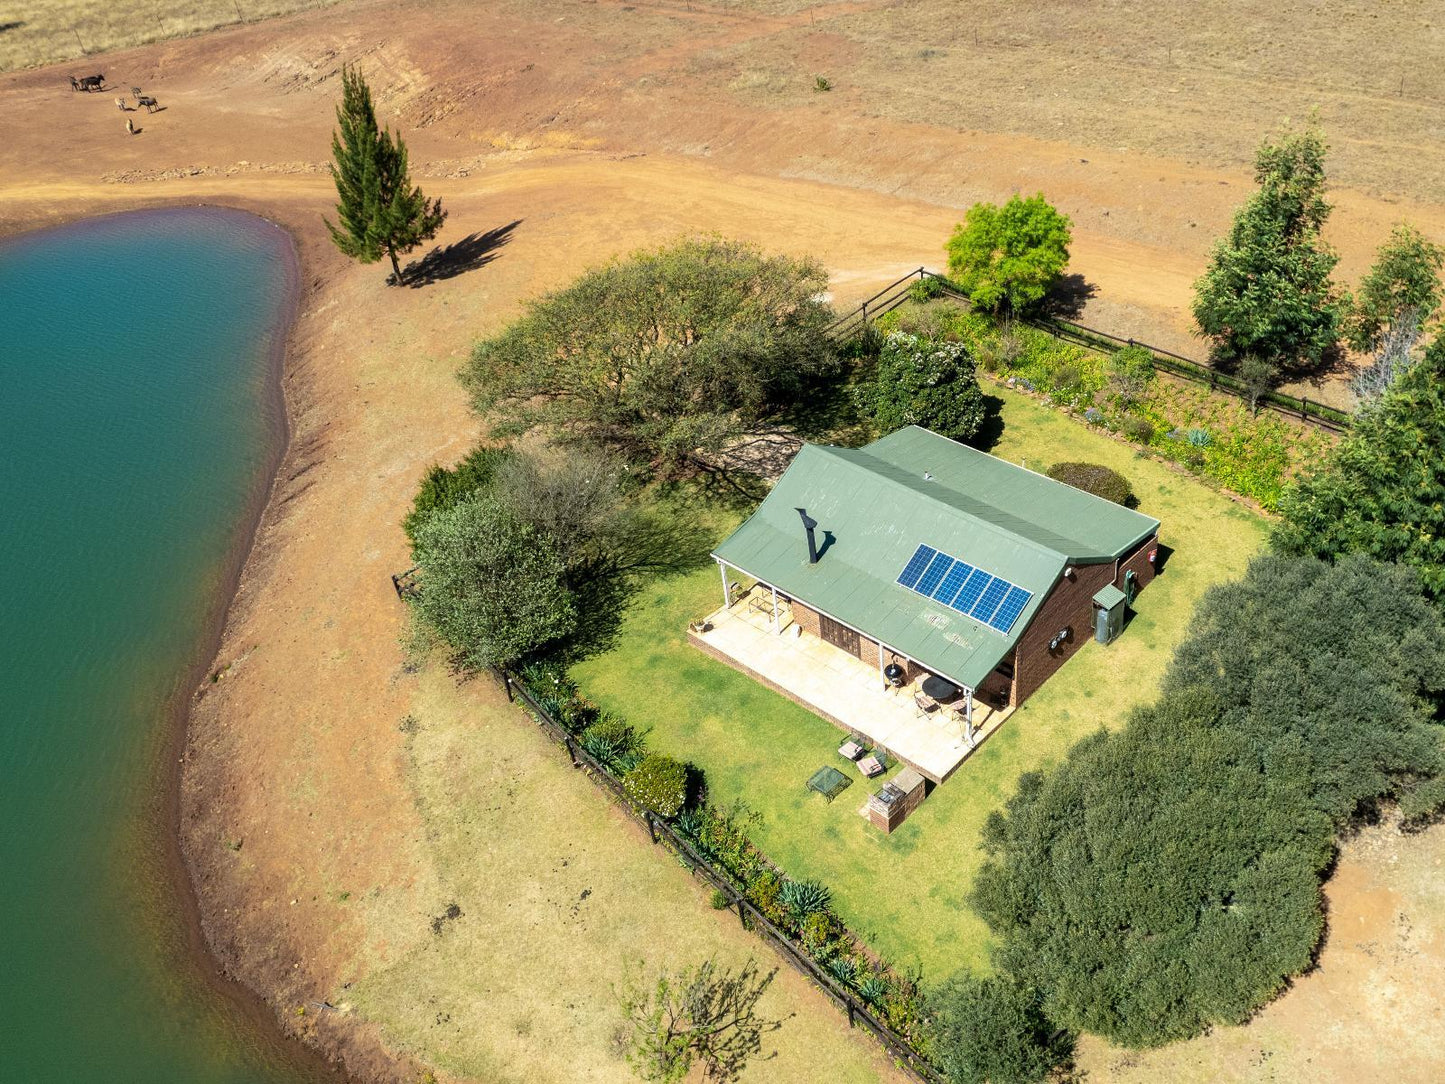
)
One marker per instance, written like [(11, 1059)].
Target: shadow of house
[(1068, 297), (470, 253)]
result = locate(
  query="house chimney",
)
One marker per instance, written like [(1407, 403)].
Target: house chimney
[(809, 523)]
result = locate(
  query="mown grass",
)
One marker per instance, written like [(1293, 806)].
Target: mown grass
[(556, 895), (45, 31), (907, 892)]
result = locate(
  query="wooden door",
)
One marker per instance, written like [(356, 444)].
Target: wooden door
[(839, 635)]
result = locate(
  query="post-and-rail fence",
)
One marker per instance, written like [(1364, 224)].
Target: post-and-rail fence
[(663, 834), (896, 293)]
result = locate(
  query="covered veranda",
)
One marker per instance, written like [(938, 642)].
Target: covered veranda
[(755, 632)]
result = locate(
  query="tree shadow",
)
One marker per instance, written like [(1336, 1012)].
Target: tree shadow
[(1067, 298), (13, 24), (470, 253), (991, 431)]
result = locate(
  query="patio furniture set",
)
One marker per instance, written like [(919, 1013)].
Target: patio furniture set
[(871, 764)]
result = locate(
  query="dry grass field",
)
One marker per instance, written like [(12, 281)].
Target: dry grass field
[(44, 31)]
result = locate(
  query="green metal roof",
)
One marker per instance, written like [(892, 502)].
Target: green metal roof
[(874, 507), (1109, 596)]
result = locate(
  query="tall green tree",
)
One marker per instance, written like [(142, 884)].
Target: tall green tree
[(1381, 490), (923, 382), (667, 356), (1006, 258), (380, 211), (1404, 284), (1267, 291)]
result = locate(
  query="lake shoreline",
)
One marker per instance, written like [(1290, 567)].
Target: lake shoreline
[(166, 851)]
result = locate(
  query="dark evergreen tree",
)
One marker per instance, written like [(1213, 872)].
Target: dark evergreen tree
[(381, 212), (1267, 292)]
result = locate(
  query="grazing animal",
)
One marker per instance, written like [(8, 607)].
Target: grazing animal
[(91, 82), (135, 92), (74, 83), (120, 104), (147, 101), (130, 125)]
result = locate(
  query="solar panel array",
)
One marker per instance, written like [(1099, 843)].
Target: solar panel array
[(962, 587)]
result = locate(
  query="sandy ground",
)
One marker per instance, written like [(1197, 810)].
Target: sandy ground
[(560, 134)]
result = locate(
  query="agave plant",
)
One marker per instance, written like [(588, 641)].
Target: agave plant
[(843, 969), (804, 898), (1199, 438), (873, 989)]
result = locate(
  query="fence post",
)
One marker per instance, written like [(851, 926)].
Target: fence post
[(571, 750), (742, 915), (507, 685), (1303, 408), (863, 308), (849, 1002), (651, 826)]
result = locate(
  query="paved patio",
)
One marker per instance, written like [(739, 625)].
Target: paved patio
[(841, 688)]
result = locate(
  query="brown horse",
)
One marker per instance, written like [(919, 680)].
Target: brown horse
[(88, 83)]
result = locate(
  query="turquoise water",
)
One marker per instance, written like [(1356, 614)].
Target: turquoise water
[(139, 425)]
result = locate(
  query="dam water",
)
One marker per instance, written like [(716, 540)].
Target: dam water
[(140, 424)]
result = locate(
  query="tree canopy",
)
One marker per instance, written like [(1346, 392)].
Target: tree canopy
[(666, 355), (1381, 490), (922, 382), (1404, 283), (1267, 292), (1160, 880), (381, 213), (1006, 258), (993, 1031)]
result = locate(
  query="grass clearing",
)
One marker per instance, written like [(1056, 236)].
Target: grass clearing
[(906, 892), (32, 34), (556, 894)]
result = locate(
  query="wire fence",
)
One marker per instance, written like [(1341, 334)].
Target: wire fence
[(665, 835), (852, 323)]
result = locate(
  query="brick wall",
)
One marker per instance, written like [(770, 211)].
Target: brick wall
[(1138, 563), (810, 622), (1070, 605)]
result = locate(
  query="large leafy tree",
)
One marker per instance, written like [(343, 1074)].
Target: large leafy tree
[(1006, 258), (1403, 285), (379, 210), (1267, 292), (1161, 880), (993, 1031), (1381, 491), (923, 382), (491, 585), (668, 355)]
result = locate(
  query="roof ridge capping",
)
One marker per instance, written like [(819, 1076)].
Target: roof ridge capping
[(1108, 528)]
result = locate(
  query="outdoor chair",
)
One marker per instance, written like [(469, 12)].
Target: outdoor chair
[(925, 703), (850, 750), (874, 764)]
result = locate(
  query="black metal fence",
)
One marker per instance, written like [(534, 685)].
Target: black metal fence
[(851, 324), (664, 835)]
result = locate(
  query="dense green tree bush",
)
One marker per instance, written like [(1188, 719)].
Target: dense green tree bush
[(1381, 491), (1267, 290), (1096, 479), (666, 355), (1404, 283), (491, 585), (658, 783), (1334, 681), (994, 1031), (1160, 880), (923, 382), (614, 743), (443, 487), (1006, 258)]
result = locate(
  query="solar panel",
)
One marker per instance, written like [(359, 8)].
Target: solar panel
[(916, 564), (961, 586), (937, 568), (1008, 611), (988, 602), (950, 584)]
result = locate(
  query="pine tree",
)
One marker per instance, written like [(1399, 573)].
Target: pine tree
[(380, 210), (1267, 291)]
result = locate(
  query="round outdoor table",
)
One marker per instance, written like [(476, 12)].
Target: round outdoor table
[(938, 688)]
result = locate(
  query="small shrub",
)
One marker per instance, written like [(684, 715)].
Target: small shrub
[(614, 743), (1139, 430), (925, 289), (1096, 479), (658, 783), (763, 891), (1130, 371), (443, 487), (820, 933), (804, 898), (821, 84), (720, 900)]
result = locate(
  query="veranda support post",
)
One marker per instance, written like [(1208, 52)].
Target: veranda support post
[(723, 570)]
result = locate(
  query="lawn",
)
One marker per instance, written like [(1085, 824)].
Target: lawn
[(906, 892)]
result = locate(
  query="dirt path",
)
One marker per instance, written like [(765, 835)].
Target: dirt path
[(569, 133)]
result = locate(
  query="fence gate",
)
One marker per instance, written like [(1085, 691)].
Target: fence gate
[(839, 635)]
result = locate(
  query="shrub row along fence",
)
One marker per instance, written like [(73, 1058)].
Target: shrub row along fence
[(665, 835), (851, 325)]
